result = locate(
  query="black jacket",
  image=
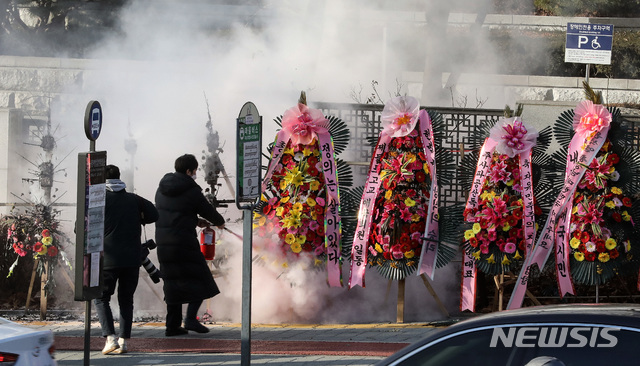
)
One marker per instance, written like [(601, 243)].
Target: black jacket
[(187, 278), (122, 229)]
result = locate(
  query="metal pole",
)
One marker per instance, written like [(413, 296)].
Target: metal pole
[(245, 333), (586, 76), (87, 333)]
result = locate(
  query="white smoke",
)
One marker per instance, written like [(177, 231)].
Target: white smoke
[(152, 76)]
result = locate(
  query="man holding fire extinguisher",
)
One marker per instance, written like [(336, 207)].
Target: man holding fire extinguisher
[(187, 278)]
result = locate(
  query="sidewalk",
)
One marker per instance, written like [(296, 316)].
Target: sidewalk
[(337, 344)]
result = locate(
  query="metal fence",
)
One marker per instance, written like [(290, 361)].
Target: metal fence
[(363, 120)]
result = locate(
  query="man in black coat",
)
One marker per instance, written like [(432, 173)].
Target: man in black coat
[(124, 213), (187, 278)]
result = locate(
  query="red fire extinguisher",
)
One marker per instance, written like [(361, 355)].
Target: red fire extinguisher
[(207, 243)]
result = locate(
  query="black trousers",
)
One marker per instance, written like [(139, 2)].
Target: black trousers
[(174, 313), (126, 280)]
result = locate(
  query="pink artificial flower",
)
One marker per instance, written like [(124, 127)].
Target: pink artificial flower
[(304, 124), (513, 136), (416, 235), (405, 214), (320, 201), (590, 118), (509, 247), (373, 251), (400, 116), (484, 248)]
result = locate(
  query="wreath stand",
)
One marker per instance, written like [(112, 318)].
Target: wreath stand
[(43, 281), (501, 280), (401, 292)]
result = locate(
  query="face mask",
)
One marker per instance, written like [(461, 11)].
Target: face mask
[(194, 176)]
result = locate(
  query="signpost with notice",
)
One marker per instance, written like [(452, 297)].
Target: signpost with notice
[(90, 219), (589, 44), (248, 191)]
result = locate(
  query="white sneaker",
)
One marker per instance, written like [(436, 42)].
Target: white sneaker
[(122, 346), (111, 345)]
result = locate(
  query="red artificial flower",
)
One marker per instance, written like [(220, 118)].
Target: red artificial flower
[(613, 158), (266, 209), (590, 256), (600, 248), (307, 247), (420, 176), (616, 216), (584, 237), (46, 232), (626, 201), (311, 170), (473, 242), (37, 247), (613, 253), (53, 251), (318, 209), (404, 239)]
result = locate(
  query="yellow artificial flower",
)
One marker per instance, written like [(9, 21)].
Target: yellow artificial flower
[(610, 204), (491, 259), (517, 256), (425, 167), (574, 210), (510, 183), (296, 248), (610, 243), (488, 195), (262, 221), (603, 257), (290, 239), (578, 256), (318, 262), (279, 211), (506, 261), (283, 185), (506, 227), (616, 190), (378, 248), (627, 245), (301, 239), (415, 218), (311, 202), (388, 194), (468, 234), (47, 240), (284, 199), (410, 254), (289, 151), (574, 243), (297, 207), (476, 228), (297, 180), (306, 151), (44, 250), (314, 185), (476, 255), (409, 202), (626, 216)]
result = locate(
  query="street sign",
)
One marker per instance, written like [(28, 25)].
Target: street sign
[(589, 43), (93, 120), (90, 224), (249, 146)]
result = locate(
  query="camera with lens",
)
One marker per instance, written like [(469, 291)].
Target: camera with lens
[(149, 244), (153, 272)]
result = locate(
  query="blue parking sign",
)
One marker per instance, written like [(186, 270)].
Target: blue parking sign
[(589, 43)]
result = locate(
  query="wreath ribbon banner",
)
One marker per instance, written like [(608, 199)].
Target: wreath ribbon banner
[(298, 128), (429, 253), (372, 186), (580, 159)]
